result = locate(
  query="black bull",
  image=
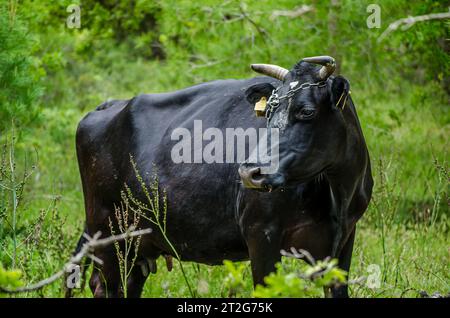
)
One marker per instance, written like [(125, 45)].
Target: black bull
[(211, 215)]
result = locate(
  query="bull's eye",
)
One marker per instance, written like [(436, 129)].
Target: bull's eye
[(306, 113)]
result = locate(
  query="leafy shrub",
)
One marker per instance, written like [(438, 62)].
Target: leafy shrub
[(307, 281), (133, 23), (291, 279), (234, 282), (10, 278)]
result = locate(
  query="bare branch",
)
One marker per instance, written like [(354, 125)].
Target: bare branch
[(86, 251), (305, 255), (358, 281), (297, 12), (408, 22), (208, 64), (262, 32), (299, 254)]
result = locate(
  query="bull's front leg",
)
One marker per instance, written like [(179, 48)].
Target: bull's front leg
[(260, 227), (338, 217), (345, 259), (341, 195), (264, 245)]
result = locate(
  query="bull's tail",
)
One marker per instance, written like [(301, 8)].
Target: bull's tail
[(84, 264)]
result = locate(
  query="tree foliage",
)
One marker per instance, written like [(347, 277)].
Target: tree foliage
[(19, 75), (122, 44)]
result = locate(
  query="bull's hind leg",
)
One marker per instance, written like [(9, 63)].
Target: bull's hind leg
[(136, 281), (106, 281), (105, 278)]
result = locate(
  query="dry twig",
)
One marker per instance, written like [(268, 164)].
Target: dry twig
[(86, 251), (297, 12), (408, 22)]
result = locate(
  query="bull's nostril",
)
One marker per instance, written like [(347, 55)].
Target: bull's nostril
[(251, 177), (255, 173)]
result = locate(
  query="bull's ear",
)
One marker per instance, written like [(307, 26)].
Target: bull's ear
[(340, 89), (255, 92)]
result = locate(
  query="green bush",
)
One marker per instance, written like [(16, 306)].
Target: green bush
[(306, 281), (10, 278)]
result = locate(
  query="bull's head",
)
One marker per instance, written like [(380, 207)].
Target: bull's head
[(306, 108)]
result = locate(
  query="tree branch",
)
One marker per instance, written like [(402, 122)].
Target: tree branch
[(86, 251), (297, 12), (262, 32), (305, 255), (408, 22)]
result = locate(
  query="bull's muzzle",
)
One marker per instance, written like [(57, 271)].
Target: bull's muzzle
[(253, 179)]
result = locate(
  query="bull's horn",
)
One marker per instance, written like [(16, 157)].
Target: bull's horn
[(275, 71), (329, 65)]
